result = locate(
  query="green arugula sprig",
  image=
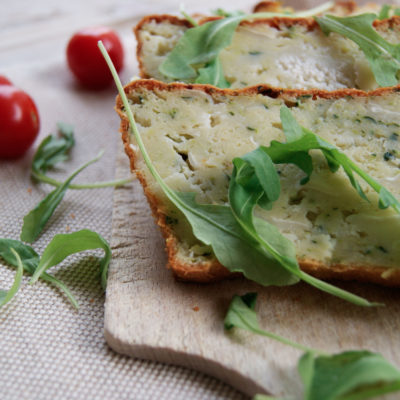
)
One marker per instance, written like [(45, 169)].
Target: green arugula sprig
[(26, 259), (351, 375), (53, 150), (37, 218), (50, 152), (195, 56), (383, 57), (240, 243)]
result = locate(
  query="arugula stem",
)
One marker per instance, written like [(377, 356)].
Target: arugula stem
[(97, 185), (326, 287), (54, 281), (283, 340), (135, 130), (17, 280), (187, 16)]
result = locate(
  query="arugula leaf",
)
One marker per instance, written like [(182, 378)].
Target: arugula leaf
[(6, 296), (216, 226), (351, 375), (30, 260), (241, 314), (383, 57), (199, 45), (213, 74), (63, 245), (53, 149), (37, 218)]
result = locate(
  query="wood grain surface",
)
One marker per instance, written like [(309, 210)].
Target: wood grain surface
[(148, 314)]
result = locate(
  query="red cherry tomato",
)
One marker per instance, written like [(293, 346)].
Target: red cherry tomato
[(19, 122), (85, 60), (4, 80)]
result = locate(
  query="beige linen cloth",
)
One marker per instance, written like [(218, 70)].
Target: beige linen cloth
[(48, 350)]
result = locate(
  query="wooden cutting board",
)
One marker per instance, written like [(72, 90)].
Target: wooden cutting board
[(148, 314)]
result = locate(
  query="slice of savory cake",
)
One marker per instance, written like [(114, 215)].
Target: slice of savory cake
[(193, 132)]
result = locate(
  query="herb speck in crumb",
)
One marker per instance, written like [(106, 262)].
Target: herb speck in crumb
[(388, 156), (170, 220), (382, 249)]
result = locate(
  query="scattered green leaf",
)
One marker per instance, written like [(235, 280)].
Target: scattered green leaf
[(383, 57), (6, 296), (241, 314), (30, 260), (63, 245), (198, 46), (37, 218), (54, 150), (351, 375)]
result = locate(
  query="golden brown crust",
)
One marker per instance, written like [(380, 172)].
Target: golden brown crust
[(268, 6), (212, 270), (342, 7)]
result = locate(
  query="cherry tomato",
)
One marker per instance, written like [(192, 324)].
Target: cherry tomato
[(85, 60), (19, 122), (4, 80)]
